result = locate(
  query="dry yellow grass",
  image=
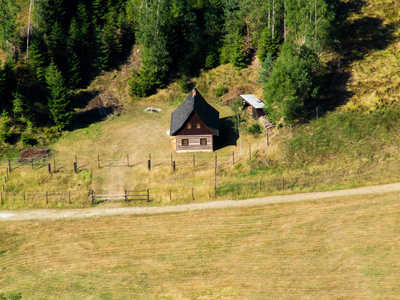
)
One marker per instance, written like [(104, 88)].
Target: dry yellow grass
[(332, 249), (374, 79)]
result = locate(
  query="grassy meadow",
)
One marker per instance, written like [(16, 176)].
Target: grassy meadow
[(330, 249), (359, 138)]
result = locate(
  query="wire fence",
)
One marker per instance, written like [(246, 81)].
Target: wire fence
[(224, 187), (172, 161), (61, 199)]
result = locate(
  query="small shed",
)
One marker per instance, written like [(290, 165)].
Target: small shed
[(256, 105), (195, 124)]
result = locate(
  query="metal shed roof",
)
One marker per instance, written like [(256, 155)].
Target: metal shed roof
[(253, 101)]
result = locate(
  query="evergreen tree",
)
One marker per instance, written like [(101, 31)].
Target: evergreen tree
[(74, 70), (4, 126), (292, 83), (56, 45), (58, 98), (267, 67), (112, 34), (155, 55), (73, 45), (267, 45), (8, 84), (19, 107), (100, 50), (37, 60), (8, 22)]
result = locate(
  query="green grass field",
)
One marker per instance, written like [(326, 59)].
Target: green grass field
[(330, 249)]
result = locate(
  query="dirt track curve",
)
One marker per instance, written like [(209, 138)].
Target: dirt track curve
[(53, 214)]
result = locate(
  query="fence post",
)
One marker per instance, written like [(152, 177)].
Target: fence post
[(75, 168), (24, 196), (215, 179), (7, 172), (49, 167), (54, 160), (92, 197), (170, 195), (250, 151), (238, 189), (267, 138), (98, 161), (1, 197), (126, 196), (173, 166), (233, 158), (192, 194), (9, 165), (47, 198), (260, 185), (148, 195), (69, 197), (149, 162), (283, 183), (194, 161)]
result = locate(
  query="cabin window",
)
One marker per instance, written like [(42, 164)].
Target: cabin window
[(185, 142), (203, 142), (189, 126), (198, 126)]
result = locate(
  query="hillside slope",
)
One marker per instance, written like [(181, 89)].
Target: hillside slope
[(371, 53)]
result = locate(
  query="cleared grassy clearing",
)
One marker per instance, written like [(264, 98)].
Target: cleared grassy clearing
[(330, 249), (341, 150)]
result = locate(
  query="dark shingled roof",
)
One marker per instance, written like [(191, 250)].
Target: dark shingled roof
[(195, 103)]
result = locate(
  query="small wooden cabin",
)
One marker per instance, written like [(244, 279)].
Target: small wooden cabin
[(195, 124), (256, 105)]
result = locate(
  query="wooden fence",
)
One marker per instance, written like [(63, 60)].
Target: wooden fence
[(127, 196)]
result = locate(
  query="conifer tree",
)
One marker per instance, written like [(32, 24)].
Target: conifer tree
[(292, 83), (8, 84), (37, 60), (58, 98), (19, 106), (100, 50), (8, 22)]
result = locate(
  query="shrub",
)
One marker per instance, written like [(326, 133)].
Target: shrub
[(184, 84), (10, 296), (220, 90), (255, 128), (28, 140), (211, 61)]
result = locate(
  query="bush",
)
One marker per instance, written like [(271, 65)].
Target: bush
[(184, 84), (211, 61), (10, 296), (255, 128), (219, 91), (28, 140)]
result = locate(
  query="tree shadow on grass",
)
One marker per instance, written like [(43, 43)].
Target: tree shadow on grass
[(227, 135), (355, 38), (88, 110)]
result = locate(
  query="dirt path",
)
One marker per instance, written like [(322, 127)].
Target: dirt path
[(52, 214)]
